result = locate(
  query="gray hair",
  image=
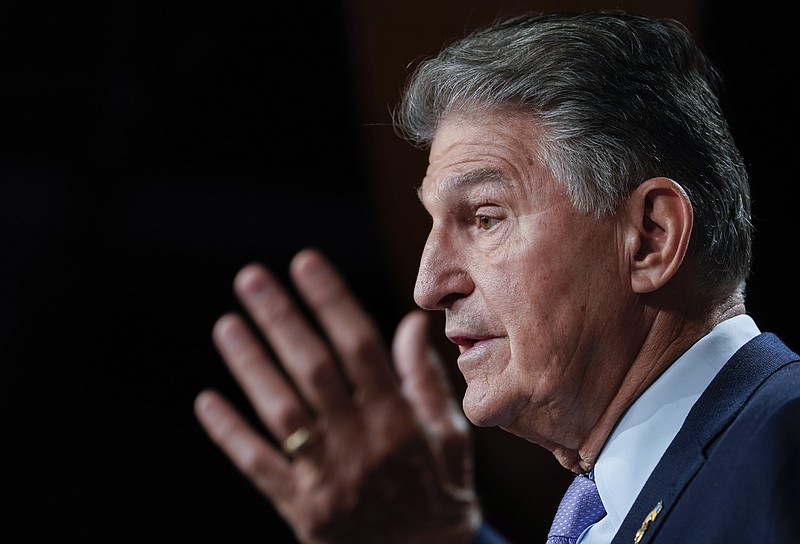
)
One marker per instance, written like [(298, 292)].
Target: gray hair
[(621, 98)]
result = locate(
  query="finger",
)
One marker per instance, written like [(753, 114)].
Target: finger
[(423, 380), (264, 466), (352, 332), (275, 401), (427, 389), (302, 352)]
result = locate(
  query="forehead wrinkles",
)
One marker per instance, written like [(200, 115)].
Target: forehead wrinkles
[(503, 141), (499, 139), (495, 150), (480, 177)]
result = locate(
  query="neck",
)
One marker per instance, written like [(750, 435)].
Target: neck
[(669, 336)]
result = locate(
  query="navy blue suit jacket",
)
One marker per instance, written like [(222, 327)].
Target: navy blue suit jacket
[(732, 473)]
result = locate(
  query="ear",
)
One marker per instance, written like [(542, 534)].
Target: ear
[(657, 233)]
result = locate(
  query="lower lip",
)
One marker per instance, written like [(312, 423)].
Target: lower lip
[(481, 342), (473, 353)]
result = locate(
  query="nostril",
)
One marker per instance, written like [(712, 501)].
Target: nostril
[(448, 300)]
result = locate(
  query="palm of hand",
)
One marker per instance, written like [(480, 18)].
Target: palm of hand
[(388, 460)]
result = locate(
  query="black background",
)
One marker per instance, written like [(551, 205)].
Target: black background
[(147, 151)]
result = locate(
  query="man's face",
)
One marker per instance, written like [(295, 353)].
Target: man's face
[(534, 292)]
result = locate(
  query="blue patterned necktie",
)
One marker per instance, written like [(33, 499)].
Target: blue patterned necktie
[(580, 507)]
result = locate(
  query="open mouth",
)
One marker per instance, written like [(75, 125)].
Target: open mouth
[(466, 342)]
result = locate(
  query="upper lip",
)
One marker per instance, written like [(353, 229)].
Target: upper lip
[(467, 340)]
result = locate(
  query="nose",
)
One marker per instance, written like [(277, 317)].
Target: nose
[(442, 278)]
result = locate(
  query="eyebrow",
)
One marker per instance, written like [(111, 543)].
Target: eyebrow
[(471, 178)]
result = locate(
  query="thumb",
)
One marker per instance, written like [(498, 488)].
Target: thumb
[(424, 382)]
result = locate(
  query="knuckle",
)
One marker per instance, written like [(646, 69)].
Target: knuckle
[(319, 370), (221, 429), (278, 310), (360, 347), (286, 417), (246, 360), (330, 294), (251, 462)]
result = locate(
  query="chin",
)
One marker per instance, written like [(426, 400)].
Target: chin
[(482, 409)]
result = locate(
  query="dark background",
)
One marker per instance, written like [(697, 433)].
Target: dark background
[(148, 150)]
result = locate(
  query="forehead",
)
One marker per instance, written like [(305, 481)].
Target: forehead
[(498, 148)]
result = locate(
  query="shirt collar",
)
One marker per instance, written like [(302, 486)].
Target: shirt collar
[(647, 428)]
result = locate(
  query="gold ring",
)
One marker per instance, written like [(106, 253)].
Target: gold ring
[(296, 441)]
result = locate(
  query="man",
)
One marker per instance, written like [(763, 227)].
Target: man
[(589, 247)]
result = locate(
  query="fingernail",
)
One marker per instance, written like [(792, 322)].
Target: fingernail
[(252, 281), (227, 329), (311, 266), (207, 406)]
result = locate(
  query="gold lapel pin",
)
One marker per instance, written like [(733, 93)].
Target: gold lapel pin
[(646, 523)]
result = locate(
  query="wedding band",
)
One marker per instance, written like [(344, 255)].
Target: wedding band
[(296, 441)]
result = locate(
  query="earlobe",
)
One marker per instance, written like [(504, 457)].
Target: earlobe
[(660, 225)]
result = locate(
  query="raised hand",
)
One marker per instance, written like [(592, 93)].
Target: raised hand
[(355, 451)]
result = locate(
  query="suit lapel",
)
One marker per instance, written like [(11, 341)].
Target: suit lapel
[(708, 419)]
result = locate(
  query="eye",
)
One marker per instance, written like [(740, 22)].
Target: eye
[(485, 222)]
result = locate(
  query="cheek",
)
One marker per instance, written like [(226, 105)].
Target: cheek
[(543, 309), (521, 282)]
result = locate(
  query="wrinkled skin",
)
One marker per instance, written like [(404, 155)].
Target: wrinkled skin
[(389, 460), (536, 294)]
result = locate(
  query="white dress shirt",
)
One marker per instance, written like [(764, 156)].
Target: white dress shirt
[(648, 427)]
